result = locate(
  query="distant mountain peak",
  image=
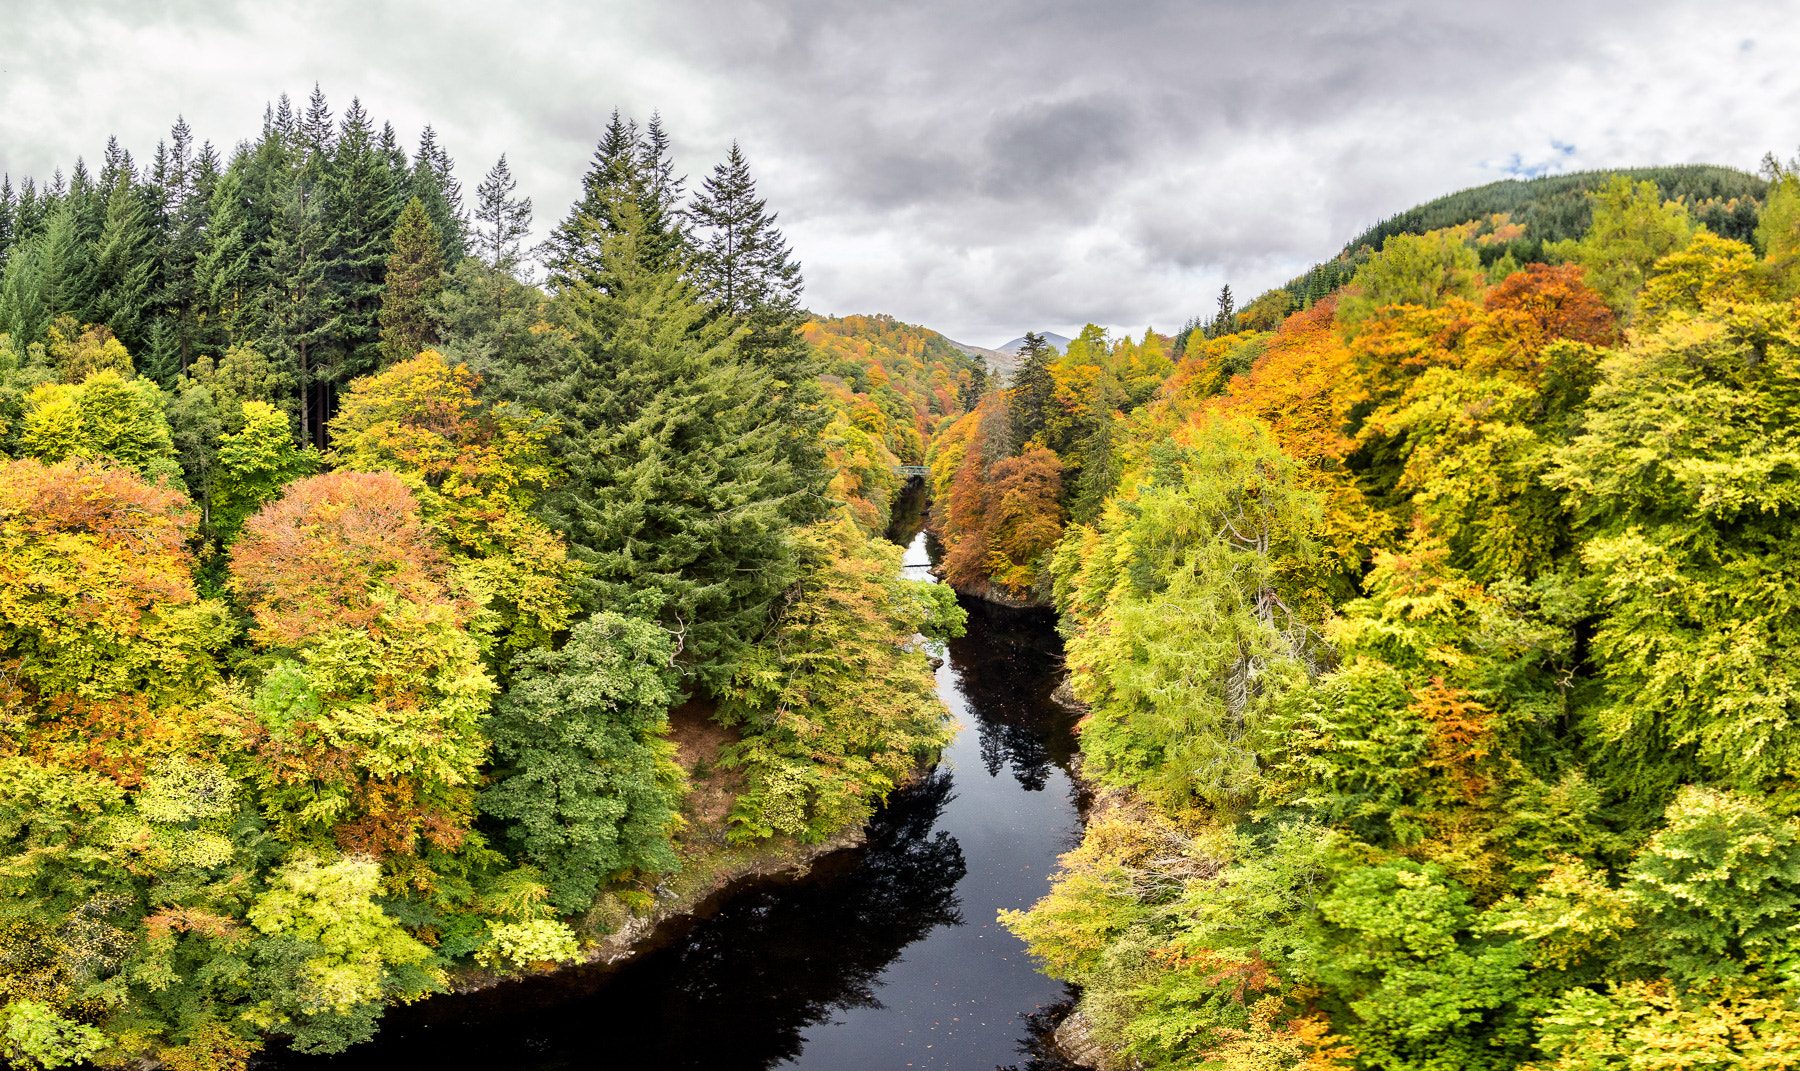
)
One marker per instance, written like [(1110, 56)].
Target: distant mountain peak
[(1018, 344)]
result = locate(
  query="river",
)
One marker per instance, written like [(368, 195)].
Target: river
[(888, 957)]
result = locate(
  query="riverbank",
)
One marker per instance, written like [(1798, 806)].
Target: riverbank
[(629, 921)]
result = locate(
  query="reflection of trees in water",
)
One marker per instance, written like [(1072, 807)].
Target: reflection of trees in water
[(909, 513), (1006, 669), (1039, 1044), (738, 991), (746, 984)]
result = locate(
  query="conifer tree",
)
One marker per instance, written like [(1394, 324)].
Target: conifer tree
[(433, 181), (314, 131), (741, 266), (295, 313), (501, 220), (1033, 389), (741, 262), (362, 213), (31, 215), (678, 495), (125, 265), (414, 278), (8, 228), (223, 270), (629, 167)]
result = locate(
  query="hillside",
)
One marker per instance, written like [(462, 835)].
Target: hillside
[(1551, 208)]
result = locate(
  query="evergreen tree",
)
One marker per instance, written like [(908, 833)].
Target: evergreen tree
[(1033, 390), (1224, 322), (125, 266), (741, 266), (25, 295), (433, 181), (314, 131), (224, 270), (362, 214), (73, 233), (32, 214), (501, 220), (741, 262), (8, 219), (629, 167), (296, 300), (414, 278), (678, 496)]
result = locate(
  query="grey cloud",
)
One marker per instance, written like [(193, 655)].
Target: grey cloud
[(978, 167)]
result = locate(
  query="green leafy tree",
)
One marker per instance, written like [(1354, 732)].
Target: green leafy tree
[(1632, 229), (1188, 622), (840, 707), (586, 779)]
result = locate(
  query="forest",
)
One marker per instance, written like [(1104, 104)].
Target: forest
[(349, 573), (1435, 633)]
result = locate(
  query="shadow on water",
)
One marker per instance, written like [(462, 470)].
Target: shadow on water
[(887, 957)]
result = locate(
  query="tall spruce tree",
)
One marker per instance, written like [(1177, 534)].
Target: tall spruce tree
[(414, 278), (362, 214), (1033, 390), (8, 219), (741, 262), (433, 181), (501, 220), (125, 266), (741, 265), (678, 497), (295, 314), (632, 167)]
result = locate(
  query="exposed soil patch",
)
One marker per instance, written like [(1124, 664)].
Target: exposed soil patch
[(697, 739)]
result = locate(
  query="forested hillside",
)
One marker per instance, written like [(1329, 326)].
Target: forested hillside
[(1514, 219), (1437, 647), (348, 577)]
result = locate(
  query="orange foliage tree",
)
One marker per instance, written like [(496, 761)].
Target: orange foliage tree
[(102, 635), (367, 722)]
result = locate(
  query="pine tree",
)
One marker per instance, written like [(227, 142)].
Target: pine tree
[(125, 266), (32, 214), (433, 182), (629, 167), (414, 277), (69, 262), (678, 496), (1033, 390), (25, 295), (314, 130), (296, 300), (501, 220), (1224, 322), (360, 203), (8, 220), (741, 266)]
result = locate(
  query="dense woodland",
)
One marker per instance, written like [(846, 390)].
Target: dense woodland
[(1438, 641), (348, 576)]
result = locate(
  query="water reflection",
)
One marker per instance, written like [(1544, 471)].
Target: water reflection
[(886, 958), (1007, 667)]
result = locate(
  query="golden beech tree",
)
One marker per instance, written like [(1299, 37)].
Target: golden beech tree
[(366, 726), (474, 468)]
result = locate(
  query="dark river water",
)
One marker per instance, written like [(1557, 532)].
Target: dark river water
[(887, 957)]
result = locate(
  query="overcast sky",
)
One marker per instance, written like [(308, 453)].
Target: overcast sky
[(979, 167)]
